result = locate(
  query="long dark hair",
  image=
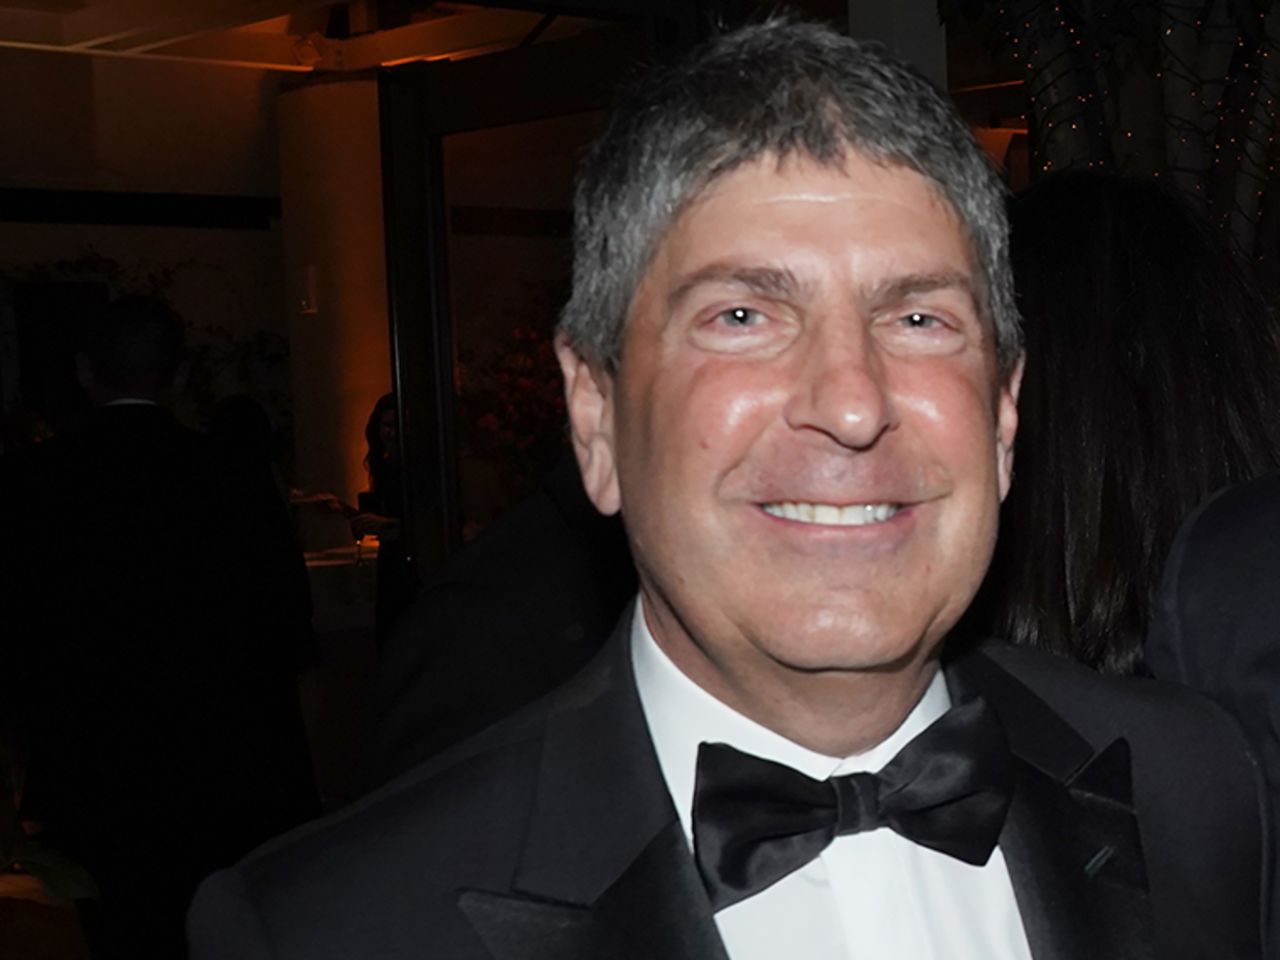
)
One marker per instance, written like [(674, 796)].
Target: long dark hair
[(1152, 380), (378, 461)]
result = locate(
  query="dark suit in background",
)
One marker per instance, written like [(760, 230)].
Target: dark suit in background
[(1217, 624), (515, 614), (155, 610), (552, 835)]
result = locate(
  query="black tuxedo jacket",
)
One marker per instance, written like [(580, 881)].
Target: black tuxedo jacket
[(1135, 832)]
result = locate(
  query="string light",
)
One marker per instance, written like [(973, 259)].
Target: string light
[(1075, 119)]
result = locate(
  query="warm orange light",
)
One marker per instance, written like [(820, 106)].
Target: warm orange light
[(415, 59)]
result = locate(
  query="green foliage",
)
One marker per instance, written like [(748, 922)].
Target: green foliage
[(90, 266)]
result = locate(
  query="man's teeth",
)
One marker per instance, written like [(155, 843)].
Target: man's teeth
[(855, 515)]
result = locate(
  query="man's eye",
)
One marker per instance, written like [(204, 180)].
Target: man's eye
[(920, 321), (741, 317)]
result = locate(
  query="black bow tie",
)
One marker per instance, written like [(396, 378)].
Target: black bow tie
[(755, 821)]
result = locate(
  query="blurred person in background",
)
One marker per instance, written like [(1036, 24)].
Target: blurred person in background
[(379, 513), (154, 608), (515, 613), (1152, 380)]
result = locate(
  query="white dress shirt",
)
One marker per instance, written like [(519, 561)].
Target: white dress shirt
[(869, 896)]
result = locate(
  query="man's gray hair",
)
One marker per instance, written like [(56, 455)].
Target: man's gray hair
[(777, 89)]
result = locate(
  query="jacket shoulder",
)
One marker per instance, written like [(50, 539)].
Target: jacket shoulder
[(1240, 517), (1152, 714), (381, 877)]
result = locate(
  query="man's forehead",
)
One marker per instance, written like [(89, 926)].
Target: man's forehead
[(842, 162), (671, 275), (772, 180), (772, 166)]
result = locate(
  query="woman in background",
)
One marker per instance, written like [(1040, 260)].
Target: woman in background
[(1152, 379), (379, 514)]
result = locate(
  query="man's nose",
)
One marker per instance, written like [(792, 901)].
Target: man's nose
[(842, 391)]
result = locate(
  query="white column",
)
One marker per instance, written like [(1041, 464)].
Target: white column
[(331, 199)]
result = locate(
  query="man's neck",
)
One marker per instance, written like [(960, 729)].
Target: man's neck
[(833, 712), (836, 713)]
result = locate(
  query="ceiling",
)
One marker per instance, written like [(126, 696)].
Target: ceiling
[(284, 35)]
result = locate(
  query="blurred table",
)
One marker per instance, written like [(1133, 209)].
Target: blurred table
[(344, 582)]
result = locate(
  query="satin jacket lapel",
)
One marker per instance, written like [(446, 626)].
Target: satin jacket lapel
[(606, 870), (1071, 840), (656, 909)]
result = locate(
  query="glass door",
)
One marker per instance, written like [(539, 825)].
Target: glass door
[(478, 162)]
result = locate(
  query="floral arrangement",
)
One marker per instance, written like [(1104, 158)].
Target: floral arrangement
[(511, 407)]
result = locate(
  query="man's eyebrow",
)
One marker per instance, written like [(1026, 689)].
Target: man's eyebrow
[(902, 288), (776, 283)]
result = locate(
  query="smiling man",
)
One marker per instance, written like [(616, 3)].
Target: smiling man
[(792, 364), (808, 436)]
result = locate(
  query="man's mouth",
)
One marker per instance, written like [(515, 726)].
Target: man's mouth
[(829, 514)]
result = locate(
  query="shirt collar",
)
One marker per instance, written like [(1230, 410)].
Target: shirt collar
[(681, 715)]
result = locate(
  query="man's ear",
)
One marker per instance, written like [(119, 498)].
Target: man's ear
[(588, 393), (1007, 425)]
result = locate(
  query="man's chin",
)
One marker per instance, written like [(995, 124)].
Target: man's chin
[(847, 653)]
